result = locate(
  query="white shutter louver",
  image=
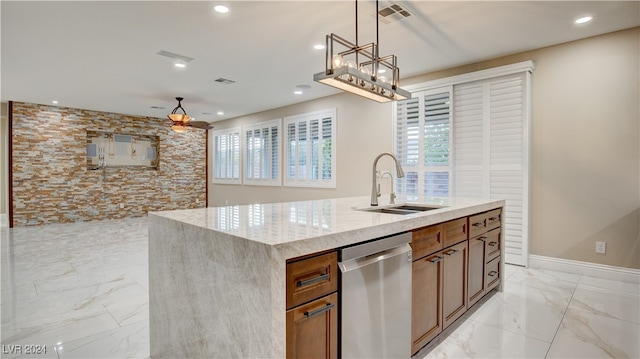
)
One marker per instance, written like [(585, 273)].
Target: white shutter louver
[(262, 154), (468, 137), (311, 150), (508, 159)]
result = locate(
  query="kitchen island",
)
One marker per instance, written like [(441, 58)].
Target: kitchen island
[(217, 275)]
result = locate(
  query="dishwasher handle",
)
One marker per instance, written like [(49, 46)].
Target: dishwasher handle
[(357, 263)]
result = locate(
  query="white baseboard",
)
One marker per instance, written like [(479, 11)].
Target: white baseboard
[(4, 220), (603, 271)]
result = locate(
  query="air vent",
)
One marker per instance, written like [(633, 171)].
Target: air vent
[(392, 13), (224, 81), (158, 107), (171, 55)]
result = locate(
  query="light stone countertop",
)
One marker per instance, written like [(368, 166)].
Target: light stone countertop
[(217, 275), (303, 227)]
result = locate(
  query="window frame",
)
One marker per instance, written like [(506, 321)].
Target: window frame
[(268, 125), (226, 179), (307, 118)]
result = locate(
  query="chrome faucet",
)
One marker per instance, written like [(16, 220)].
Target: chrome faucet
[(392, 195), (374, 188)]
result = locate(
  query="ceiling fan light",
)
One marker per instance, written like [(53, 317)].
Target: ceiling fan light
[(178, 129)]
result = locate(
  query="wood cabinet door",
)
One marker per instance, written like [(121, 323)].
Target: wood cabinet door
[(312, 329), (454, 290), (426, 303), (475, 278)]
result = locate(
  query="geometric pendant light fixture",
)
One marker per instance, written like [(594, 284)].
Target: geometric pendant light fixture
[(360, 70)]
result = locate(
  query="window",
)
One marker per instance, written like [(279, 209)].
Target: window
[(226, 156), (262, 154), (311, 150), (422, 143), (468, 136)]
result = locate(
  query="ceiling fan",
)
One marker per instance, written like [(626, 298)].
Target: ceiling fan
[(180, 121)]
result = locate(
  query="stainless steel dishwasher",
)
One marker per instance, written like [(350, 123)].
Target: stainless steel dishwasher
[(376, 299)]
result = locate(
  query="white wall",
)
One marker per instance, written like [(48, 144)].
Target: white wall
[(364, 130)]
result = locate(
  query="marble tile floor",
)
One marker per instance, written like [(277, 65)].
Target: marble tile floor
[(81, 290)]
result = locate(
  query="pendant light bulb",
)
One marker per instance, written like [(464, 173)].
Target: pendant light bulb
[(338, 61)]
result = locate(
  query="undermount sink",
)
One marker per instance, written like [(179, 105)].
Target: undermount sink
[(400, 209)]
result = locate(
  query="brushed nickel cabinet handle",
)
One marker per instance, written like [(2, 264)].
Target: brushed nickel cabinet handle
[(484, 239), (478, 225), (493, 219), (492, 273), (492, 244), (302, 283), (435, 260), (452, 252), (319, 311)]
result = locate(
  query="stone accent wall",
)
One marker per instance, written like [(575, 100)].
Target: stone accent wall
[(51, 182)]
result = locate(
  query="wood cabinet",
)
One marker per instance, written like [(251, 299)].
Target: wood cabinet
[(439, 279), (483, 250), (426, 321), (475, 280), (312, 303), (454, 292), (312, 329), (455, 264)]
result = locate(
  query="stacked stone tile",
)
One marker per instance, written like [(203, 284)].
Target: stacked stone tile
[(51, 182)]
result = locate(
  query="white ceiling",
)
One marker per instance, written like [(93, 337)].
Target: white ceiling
[(102, 55)]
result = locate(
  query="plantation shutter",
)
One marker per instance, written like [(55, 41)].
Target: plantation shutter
[(509, 160), (408, 130), (310, 150), (226, 156), (422, 143), (491, 152), (262, 153)]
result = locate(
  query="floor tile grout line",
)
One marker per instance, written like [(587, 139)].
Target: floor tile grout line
[(563, 315)]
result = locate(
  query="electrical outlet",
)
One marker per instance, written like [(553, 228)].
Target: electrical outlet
[(601, 247)]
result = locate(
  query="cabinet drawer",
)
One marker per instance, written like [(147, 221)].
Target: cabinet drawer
[(494, 219), (425, 241), (492, 240), (477, 225), (311, 278), (492, 274), (455, 231), (312, 329)]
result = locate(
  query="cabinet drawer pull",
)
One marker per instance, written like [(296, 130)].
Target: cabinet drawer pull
[(493, 219), (484, 239), (302, 283), (450, 253), (478, 225), (319, 311), (435, 260), (492, 273), (492, 244)]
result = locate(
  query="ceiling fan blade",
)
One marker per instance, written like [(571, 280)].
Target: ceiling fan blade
[(200, 124)]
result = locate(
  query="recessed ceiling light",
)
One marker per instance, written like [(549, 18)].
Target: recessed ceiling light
[(318, 46), (220, 113), (584, 19), (298, 92), (381, 71), (179, 65), (221, 9), (54, 102)]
